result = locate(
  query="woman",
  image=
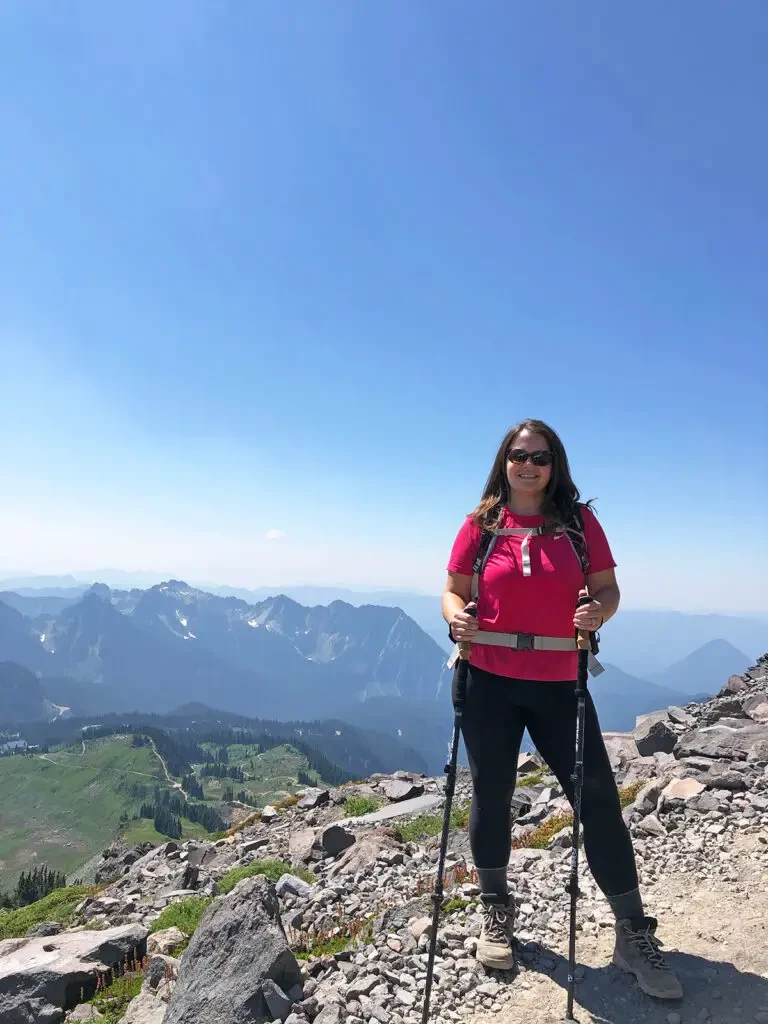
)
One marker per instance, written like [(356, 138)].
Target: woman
[(529, 586)]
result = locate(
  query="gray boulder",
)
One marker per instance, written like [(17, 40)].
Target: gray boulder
[(727, 707), (335, 839), (278, 1003), (705, 803), (239, 945), (397, 790), (117, 860), (757, 708), (654, 734), (84, 1012), (41, 977), (44, 928), (739, 739), (722, 778), (642, 769), (161, 974), (331, 1014), (647, 799), (165, 941), (313, 798), (290, 884), (365, 853), (651, 826), (527, 763), (622, 749), (251, 845), (681, 717), (735, 684), (300, 846), (145, 1008)]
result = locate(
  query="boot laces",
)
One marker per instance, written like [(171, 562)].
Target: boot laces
[(648, 945), (496, 923)]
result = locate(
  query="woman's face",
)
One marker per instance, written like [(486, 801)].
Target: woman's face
[(526, 477)]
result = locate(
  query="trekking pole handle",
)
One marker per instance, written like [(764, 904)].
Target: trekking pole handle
[(582, 639), (465, 647)]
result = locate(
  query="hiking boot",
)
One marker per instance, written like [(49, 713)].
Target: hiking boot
[(637, 952), (494, 947)]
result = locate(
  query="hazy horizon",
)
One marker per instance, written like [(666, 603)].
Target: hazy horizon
[(116, 578)]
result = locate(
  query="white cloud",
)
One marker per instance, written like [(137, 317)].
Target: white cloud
[(274, 534)]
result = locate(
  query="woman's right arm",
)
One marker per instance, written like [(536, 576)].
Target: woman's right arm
[(456, 596)]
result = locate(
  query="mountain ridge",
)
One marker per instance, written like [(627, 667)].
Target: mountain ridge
[(159, 647), (704, 667)]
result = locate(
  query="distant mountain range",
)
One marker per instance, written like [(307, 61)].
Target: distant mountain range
[(642, 641), (155, 649), (372, 666)]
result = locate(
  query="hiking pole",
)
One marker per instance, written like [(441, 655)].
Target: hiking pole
[(462, 667), (584, 648)]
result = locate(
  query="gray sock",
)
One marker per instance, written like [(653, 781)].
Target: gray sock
[(493, 885), (627, 905)]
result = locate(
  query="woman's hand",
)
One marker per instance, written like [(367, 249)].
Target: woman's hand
[(464, 626), (588, 617)]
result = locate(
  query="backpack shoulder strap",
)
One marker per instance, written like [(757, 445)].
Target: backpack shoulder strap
[(483, 553), (484, 549), (575, 533)]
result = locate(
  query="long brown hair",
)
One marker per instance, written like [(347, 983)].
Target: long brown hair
[(561, 496)]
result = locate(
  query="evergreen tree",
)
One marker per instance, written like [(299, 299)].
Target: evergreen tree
[(206, 816), (192, 787), (33, 885), (167, 824)]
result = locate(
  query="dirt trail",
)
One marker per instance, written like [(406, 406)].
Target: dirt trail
[(170, 780), (715, 933)]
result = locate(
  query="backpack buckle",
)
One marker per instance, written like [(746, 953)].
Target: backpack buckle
[(524, 642)]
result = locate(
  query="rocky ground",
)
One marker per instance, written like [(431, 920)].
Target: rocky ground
[(700, 826)]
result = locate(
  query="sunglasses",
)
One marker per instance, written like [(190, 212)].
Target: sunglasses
[(520, 457)]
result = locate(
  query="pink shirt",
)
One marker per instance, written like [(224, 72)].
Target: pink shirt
[(542, 603)]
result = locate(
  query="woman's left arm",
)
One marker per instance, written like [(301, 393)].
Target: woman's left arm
[(604, 590)]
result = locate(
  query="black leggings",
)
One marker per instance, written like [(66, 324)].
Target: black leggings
[(497, 711)]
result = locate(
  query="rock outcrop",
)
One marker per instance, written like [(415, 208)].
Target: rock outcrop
[(238, 968), (43, 976)]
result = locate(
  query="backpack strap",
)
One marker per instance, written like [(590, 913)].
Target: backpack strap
[(485, 547), (574, 531)]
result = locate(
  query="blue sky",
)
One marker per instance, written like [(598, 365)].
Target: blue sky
[(295, 268)]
